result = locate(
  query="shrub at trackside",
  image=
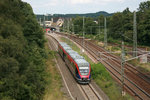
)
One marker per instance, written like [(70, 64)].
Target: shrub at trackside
[(99, 72), (104, 80)]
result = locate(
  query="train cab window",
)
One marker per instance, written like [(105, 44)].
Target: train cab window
[(84, 70)]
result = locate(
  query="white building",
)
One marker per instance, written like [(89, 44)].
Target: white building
[(48, 23)]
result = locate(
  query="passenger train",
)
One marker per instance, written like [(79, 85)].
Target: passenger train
[(79, 67)]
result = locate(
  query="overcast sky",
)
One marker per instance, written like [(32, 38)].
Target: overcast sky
[(81, 6)]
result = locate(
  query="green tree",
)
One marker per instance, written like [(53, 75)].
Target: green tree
[(115, 26), (22, 53), (89, 23), (144, 23), (127, 21), (78, 24)]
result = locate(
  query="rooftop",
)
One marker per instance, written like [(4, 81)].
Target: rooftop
[(76, 56), (67, 48), (63, 44), (71, 52), (82, 62)]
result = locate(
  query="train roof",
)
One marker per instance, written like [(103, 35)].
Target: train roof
[(76, 56), (63, 44), (82, 62), (67, 48), (71, 52)]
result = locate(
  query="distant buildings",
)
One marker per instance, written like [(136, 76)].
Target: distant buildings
[(46, 21)]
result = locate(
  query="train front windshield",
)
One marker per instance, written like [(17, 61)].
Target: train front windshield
[(84, 70)]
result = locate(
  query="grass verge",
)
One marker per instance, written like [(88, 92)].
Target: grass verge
[(54, 83), (104, 80), (102, 77)]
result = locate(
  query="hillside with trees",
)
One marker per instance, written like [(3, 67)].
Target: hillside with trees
[(22, 53), (86, 15), (93, 15)]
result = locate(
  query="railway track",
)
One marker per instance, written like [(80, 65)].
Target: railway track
[(87, 90), (137, 83), (141, 50), (90, 92)]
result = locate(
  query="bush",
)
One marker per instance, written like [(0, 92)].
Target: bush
[(22, 53), (99, 71), (106, 83)]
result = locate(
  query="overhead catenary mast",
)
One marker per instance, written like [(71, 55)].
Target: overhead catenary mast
[(63, 25), (83, 35), (44, 21), (68, 26), (40, 21), (122, 66), (105, 33), (99, 27), (134, 36), (73, 28)]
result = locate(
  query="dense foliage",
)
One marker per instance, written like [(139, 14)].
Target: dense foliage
[(122, 23), (22, 54), (78, 25), (119, 24)]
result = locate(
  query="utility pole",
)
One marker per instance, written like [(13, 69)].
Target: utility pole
[(105, 33), (63, 27), (68, 26), (83, 35), (44, 21), (99, 27), (73, 28), (40, 21), (122, 66), (91, 30), (134, 36)]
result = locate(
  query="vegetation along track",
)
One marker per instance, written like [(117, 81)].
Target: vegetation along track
[(141, 50), (135, 82), (87, 90)]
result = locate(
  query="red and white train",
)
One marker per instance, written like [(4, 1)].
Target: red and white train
[(79, 67)]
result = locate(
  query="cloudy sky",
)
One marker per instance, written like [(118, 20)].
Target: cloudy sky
[(81, 6)]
